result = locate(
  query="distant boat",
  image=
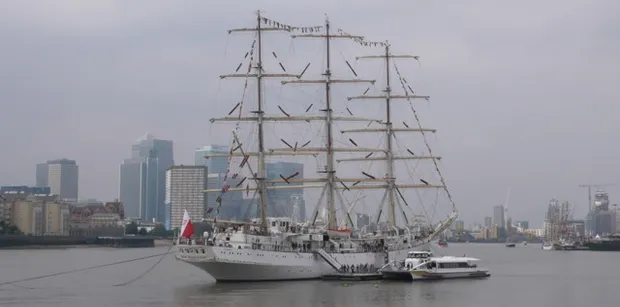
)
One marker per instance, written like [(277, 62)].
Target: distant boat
[(511, 244), (524, 242), (442, 243)]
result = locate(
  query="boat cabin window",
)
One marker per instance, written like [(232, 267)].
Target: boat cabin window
[(453, 265)]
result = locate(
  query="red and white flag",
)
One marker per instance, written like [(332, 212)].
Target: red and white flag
[(187, 229)]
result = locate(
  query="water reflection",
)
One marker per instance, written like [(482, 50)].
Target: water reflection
[(524, 276), (312, 293)]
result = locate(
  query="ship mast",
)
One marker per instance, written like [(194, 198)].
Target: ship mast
[(328, 81), (263, 184), (330, 183), (261, 146), (391, 187), (259, 74)]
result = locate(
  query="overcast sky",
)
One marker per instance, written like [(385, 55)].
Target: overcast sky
[(524, 93)]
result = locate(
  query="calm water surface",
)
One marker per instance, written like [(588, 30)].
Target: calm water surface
[(521, 276)]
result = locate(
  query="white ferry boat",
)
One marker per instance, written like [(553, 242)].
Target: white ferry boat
[(449, 267)]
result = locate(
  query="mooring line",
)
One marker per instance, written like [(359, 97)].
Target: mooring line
[(162, 255)]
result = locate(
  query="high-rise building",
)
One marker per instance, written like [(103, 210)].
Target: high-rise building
[(130, 190), (488, 222), (42, 174), (616, 217), (61, 176), (142, 178), (185, 187), (281, 202), (601, 221), (214, 164), (233, 206), (498, 217)]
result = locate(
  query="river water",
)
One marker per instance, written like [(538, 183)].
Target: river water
[(521, 276)]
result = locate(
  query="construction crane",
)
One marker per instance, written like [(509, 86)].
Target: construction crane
[(590, 186)]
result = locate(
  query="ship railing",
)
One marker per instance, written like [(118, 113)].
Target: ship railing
[(266, 247), (299, 248), (334, 247)]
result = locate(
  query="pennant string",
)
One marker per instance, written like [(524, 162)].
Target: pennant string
[(281, 25), (361, 41), (234, 145)]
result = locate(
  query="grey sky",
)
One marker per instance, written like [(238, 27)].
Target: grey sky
[(524, 93)]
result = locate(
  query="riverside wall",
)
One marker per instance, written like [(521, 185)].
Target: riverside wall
[(22, 241)]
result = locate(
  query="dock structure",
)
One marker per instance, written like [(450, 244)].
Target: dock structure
[(353, 276), (340, 274)]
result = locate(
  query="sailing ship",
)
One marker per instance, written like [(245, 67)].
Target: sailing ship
[(559, 234), (278, 248)]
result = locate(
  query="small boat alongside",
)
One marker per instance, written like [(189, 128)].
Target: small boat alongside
[(449, 267), (511, 245), (401, 270)]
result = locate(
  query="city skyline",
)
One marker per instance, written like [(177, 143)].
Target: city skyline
[(498, 83), (273, 170)]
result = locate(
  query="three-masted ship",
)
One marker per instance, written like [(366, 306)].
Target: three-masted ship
[(279, 248)]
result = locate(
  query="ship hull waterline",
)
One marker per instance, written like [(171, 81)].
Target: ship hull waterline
[(426, 275)]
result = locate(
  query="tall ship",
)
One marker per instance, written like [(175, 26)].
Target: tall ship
[(559, 232), (268, 248)]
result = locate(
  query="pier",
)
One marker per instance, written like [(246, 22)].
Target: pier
[(353, 276), (341, 273)]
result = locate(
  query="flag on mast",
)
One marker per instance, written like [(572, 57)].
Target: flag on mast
[(187, 229)]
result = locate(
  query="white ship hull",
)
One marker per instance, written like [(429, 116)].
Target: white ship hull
[(230, 264)]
